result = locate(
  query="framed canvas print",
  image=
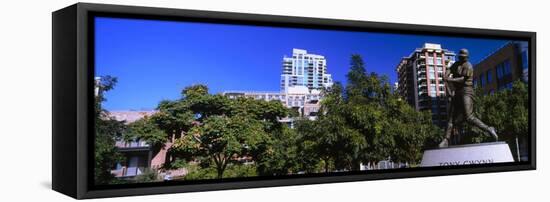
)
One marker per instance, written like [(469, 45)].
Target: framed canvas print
[(155, 100)]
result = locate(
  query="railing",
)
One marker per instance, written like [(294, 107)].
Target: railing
[(128, 171), (131, 144)]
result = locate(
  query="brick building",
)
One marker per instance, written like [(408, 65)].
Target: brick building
[(498, 70), (420, 80), (139, 154)]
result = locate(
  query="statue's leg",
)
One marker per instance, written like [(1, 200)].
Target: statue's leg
[(450, 120), (459, 134), (448, 130), (448, 133), (470, 118)]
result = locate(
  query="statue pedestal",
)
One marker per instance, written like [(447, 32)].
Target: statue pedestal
[(483, 153)]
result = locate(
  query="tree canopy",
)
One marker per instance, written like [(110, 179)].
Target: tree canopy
[(107, 129), (366, 122), (213, 129)]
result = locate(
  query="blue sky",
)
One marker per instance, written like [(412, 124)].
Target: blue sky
[(154, 60)]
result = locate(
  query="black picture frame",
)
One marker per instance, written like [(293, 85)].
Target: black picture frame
[(73, 99)]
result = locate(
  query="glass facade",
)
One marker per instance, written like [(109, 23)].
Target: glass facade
[(489, 76), (504, 69), (524, 60)]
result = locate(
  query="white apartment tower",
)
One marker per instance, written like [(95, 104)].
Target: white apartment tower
[(302, 78), (304, 69)]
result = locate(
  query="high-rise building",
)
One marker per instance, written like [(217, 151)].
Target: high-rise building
[(420, 80), (303, 77), (502, 67), (305, 69)]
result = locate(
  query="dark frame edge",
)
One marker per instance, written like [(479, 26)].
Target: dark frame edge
[(85, 96), (297, 182), (533, 98), (64, 145)]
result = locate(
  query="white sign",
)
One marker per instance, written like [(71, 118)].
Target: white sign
[(484, 153)]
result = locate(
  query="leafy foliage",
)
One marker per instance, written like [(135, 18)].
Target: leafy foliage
[(145, 129), (148, 175), (507, 110), (217, 131), (232, 171), (107, 130), (366, 122), (221, 140), (280, 153)]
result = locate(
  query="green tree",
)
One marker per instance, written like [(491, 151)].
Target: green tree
[(367, 97), (391, 127), (221, 140), (217, 131), (412, 132), (329, 137), (366, 122), (175, 118), (107, 129), (145, 129), (268, 112), (507, 110), (276, 154), (280, 155)]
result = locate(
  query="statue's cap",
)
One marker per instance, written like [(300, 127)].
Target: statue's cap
[(464, 52)]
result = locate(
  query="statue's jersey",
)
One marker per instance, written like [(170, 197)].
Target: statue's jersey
[(466, 70)]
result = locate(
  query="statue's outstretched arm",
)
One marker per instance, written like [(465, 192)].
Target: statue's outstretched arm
[(455, 80)]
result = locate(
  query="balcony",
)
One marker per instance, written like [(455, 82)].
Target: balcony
[(132, 145), (127, 172)]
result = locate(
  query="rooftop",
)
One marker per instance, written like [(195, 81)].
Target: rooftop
[(130, 116)]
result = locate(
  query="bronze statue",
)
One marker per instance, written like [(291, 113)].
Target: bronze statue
[(458, 80)]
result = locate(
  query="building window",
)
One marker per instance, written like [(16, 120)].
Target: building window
[(432, 90), (432, 76), (435, 110), (439, 61), (430, 60), (507, 86), (489, 76), (481, 80), (507, 67), (504, 69), (524, 60)]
